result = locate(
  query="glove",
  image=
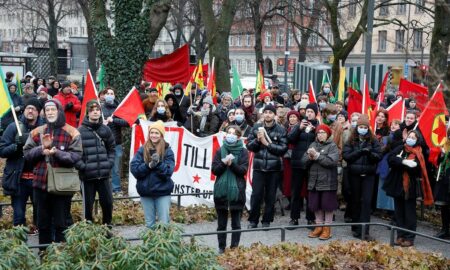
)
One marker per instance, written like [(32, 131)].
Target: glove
[(17, 108), (409, 163), (152, 164), (69, 106), (155, 157), (21, 140), (365, 150)]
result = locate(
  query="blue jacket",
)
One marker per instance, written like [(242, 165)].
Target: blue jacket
[(156, 181), (15, 162)]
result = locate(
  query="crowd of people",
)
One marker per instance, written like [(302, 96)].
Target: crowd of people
[(319, 157)]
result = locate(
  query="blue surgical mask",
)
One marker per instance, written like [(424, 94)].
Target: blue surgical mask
[(332, 117), (161, 110), (362, 131), (326, 90), (239, 118), (411, 142), (109, 99), (231, 138), (322, 105)]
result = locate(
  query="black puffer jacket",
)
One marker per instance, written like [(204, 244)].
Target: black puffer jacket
[(268, 158), (117, 124), (359, 162), (98, 156), (301, 141)]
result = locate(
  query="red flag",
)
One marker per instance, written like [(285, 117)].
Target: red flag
[(211, 86), (409, 89), (130, 108), (311, 93), (382, 90), (205, 69), (171, 68), (354, 101), (396, 110), (90, 93), (432, 124)]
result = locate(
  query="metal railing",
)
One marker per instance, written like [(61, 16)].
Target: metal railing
[(283, 229), (5, 204)]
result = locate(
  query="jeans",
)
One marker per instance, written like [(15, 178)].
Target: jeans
[(51, 211), (115, 174), (19, 202), (153, 205), (264, 189), (222, 220), (103, 188)]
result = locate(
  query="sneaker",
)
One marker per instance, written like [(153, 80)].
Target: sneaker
[(252, 225)]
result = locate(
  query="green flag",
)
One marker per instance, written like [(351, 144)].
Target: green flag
[(19, 85), (101, 78), (236, 88), (355, 85)]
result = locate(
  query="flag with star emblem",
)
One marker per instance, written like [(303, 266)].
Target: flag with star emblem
[(432, 124)]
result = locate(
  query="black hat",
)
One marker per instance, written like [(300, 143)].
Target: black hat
[(177, 86), (34, 102), (270, 107), (312, 106), (343, 113), (65, 84)]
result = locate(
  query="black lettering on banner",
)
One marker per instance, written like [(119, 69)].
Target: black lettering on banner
[(192, 153), (187, 146)]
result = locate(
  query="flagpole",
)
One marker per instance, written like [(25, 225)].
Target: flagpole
[(15, 120), (364, 95)]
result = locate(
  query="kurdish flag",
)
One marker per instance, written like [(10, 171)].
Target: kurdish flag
[(260, 86), (199, 77), (5, 98), (19, 85), (341, 88)]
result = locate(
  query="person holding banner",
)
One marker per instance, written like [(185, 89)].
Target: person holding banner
[(230, 166), (269, 143), (362, 152), (153, 166), (406, 182)]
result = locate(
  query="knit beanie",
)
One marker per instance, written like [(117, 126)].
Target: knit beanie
[(293, 112), (34, 102), (271, 108), (264, 95), (363, 120), (324, 128), (313, 106), (158, 125), (343, 113), (208, 100)]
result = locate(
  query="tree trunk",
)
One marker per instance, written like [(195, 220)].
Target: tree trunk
[(218, 31), (92, 51), (440, 42), (258, 46), (52, 39)]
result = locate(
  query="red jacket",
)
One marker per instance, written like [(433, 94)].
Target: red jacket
[(71, 114)]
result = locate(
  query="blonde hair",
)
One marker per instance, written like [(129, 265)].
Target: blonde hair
[(159, 148)]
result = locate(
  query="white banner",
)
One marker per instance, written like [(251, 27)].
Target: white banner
[(193, 159)]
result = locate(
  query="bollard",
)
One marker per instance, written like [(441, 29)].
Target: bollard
[(178, 202), (363, 231), (391, 238), (283, 234)]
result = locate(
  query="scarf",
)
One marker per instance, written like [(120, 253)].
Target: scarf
[(413, 153), (226, 184)]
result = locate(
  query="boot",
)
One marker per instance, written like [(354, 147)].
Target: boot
[(316, 233), (326, 233)]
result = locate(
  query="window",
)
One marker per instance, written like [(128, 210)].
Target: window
[(75, 31), (249, 66), (290, 38), (401, 7), (238, 65), (419, 5), (239, 41), (329, 34), (82, 31), (248, 40), (417, 39), (70, 31), (230, 40), (268, 41), (279, 41), (382, 37), (399, 39), (243, 66), (352, 8), (384, 8), (313, 40)]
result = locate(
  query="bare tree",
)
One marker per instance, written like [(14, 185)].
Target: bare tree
[(51, 13), (218, 21)]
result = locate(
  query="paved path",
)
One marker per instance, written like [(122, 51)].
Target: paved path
[(381, 234)]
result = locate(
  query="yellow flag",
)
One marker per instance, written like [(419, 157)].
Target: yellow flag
[(260, 85), (199, 80), (187, 90), (341, 88), (5, 98)]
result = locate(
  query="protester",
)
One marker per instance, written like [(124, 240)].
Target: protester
[(322, 101), (59, 145), (28, 92), (153, 166), (150, 101), (295, 97), (96, 163), (362, 153), (174, 108), (382, 124), (9, 77), (229, 121), (116, 125), (339, 106), (250, 112), (301, 107), (293, 119), (403, 184), (442, 190), (225, 106), (161, 112), (182, 100), (16, 102), (286, 101), (265, 99), (70, 103), (230, 184), (54, 88), (412, 106), (268, 141), (204, 122), (322, 159), (326, 91), (240, 121), (18, 174)]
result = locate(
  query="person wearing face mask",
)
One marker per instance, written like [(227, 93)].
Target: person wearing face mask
[(58, 144), (161, 112), (410, 123), (240, 121), (204, 122), (183, 101), (153, 166), (300, 136), (362, 153), (406, 182), (322, 159), (268, 141), (116, 125), (326, 91), (329, 117), (230, 184)]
